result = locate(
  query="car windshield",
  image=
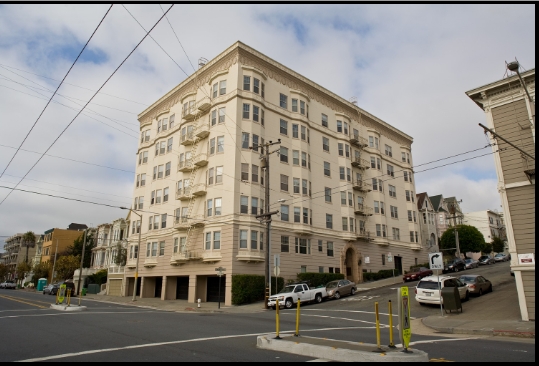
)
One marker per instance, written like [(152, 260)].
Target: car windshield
[(428, 285), (287, 289), (469, 260), (332, 284), (483, 257), (499, 255), (467, 279)]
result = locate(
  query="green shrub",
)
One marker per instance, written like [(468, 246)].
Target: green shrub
[(98, 278), (380, 275), (314, 279), (250, 288)]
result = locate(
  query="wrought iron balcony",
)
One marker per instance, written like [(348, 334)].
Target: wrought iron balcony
[(360, 163), (361, 186), (359, 141), (363, 210)]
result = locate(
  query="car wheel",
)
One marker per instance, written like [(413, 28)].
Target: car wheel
[(352, 291), (337, 295), (480, 292), (274, 307), (456, 269), (288, 304), (490, 288), (318, 298), (422, 303)]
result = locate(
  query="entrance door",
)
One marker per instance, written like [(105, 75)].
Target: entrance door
[(138, 286), (158, 286), (212, 294), (398, 264), (182, 288)]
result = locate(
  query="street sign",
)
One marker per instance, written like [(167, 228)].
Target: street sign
[(220, 271), (405, 329), (61, 293), (276, 271), (277, 260), (436, 261)]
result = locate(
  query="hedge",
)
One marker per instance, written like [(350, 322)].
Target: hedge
[(315, 279), (380, 275), (250, 288)]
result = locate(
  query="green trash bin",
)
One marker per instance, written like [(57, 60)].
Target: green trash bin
[(41, 284), (84, 289)]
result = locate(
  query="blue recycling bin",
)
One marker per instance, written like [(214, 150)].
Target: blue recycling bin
[(41, 284)]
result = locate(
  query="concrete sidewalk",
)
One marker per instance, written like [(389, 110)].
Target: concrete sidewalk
[(176, 305), (493, 314)]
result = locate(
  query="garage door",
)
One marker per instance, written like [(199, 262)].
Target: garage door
[(212, 294), (115, 287)]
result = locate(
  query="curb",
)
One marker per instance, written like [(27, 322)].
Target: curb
[(486, 332), (329, 353)]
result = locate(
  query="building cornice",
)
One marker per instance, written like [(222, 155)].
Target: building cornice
[(247, 56)]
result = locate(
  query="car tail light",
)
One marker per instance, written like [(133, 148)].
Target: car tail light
[(472, 286), (415, 290)]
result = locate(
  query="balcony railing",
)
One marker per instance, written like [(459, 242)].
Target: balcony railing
[(250, 256), (360, 163), (361, 186), (363, 210), (116, 269), (204, 104), (359, 141), (183, 257), (203, 130), (188, 138), (184, 223), (363, 234), (199, 160), (196, 190)]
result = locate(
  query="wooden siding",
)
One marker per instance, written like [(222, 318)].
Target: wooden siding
[(512, 123), (522, 208), (528, 280)]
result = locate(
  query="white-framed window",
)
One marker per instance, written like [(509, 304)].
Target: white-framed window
[(254, 173), (329, 221), (246, 83), (294, 105), (245, 140), (222, 115), (222, 87), (246, 111), (160, 171), (243, 239), (285, 244), (284, 182), (283, 127), (220, 144), (209, 207), (295, 157), (390, 170), (219, 174), (254, 240), (327, 194), (256, 86), (254, 206), (344, 223), (302, 107), (325, 144), (218, 204), (244, 204), (170, 142), (216, 240), (167, 168), (392, 191), (389, 151), (410, 216), (394, 212), (283, 153), (283, 101), (329, 251), (207, 245), (324, 120), (284, 213), (256, 113)]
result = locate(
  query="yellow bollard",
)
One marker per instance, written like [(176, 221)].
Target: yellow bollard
[(69, 297), (57, 294), (378, 343), (297, 319), (277, 319), (391, 344)]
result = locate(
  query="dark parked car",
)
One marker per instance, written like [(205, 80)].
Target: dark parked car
[(471, 263), (477, 284), (485, 260), (417, 274), (51, 289), (454, 265)]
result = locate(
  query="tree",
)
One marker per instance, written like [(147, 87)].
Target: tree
[(497, 244), (76, 248), (486, 248), (470, 239), (22, 269), (41, 270), (3, 271), (121, 255), (28, 241), (66, 266), (99, 278)]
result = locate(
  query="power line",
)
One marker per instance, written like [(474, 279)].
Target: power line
[(76, 161), (101, 87), (66, 83), (59, 85)]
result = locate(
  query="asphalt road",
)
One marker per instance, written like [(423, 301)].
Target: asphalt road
[(106, 332)]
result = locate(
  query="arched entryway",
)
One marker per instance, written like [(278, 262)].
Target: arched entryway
[(351, 263)]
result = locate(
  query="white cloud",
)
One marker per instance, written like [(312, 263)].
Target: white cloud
[(408, 64)]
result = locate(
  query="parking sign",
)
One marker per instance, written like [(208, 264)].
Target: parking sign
[(436, 261)]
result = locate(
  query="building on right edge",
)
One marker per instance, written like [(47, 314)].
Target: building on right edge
[(511, 115)]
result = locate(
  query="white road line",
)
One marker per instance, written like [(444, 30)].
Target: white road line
[(76, 313), (75, 354), (439, 340), (4, 311)]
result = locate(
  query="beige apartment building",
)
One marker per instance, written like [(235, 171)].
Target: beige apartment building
[(342, 182), (16, 253), (511, 115)]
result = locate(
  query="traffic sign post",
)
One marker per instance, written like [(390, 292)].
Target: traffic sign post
[(436, 262), (219, 271), (276, 270), (405, 328)]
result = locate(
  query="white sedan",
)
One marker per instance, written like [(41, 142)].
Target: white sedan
[(427, 290)]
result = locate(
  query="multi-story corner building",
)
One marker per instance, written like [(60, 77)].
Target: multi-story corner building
[(427, 221), (58, 241), (488, 222), (509, 106), (342, 182), (16, 252)]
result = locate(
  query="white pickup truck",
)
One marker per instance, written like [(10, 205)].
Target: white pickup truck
[(290, 294)]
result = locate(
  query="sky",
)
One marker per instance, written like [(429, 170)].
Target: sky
[(409, 65)]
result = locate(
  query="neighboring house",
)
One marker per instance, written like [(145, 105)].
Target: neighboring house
[(116, 271), (442, 214), (511, 115), (101, 251), (339, 182), (488, 222), (427, 221), (39, 248), (16, 252)]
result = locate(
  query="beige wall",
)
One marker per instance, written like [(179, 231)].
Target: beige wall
[(65, 239)]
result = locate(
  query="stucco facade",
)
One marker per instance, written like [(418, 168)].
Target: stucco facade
[(340, 182)]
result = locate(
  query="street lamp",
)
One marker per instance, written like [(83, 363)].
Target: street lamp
[(137, 252), (514, 66)]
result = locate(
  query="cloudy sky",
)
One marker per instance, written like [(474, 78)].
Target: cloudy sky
[(407, 64)]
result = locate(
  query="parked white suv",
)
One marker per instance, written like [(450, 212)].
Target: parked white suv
[(427, 290)]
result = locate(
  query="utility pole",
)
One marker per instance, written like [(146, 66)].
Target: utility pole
[(79, 292), (266, 217), (54, 264), (453, 211)]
